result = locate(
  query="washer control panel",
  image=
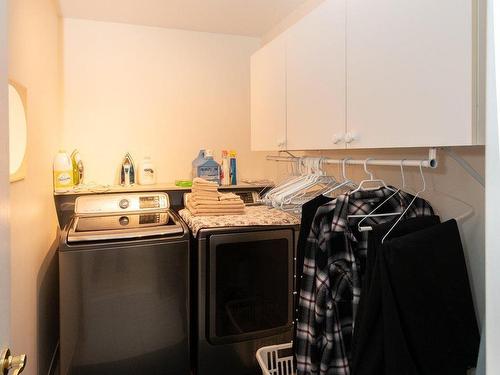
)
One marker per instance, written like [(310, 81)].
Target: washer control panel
[(114, 203)]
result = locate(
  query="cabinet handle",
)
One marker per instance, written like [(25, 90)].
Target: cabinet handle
[(337, 138), (281, 143), (350, 137)]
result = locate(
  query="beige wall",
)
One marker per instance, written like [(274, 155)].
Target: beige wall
[(4, 184), (493, 192), (159, 92), (34, 62)]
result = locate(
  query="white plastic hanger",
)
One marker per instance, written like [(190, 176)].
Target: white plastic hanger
[(372, 213), (371, 180), (310, 188), (268, 198), (309, 178), (346, 181), (424, 186)]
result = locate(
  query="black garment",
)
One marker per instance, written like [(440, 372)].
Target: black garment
[(332, 277), (368, 339), (429, 324), (308, 212)]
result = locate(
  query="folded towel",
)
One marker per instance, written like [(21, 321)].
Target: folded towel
[(215, 199), (211, 199), (204, 191), (204, 188), (197, 211), (216, 206), (198, 195), (217, 213), (205, 198), (198, 181), (206, 203), (229, 196)]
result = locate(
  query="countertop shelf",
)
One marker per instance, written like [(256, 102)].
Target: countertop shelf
[(105, 189)]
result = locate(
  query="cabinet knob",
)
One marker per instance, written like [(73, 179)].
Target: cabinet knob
[(337, 138), (281, 143), (350, 137)]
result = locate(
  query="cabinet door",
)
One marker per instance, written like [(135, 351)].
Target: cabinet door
[(316, 79), (410, 72), (268, 97)]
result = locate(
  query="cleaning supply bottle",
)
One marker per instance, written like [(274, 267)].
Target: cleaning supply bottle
[(210, 169), (63, 172), (200, 159), (78, 169), (224, 169), (147, 172), (232, 167)]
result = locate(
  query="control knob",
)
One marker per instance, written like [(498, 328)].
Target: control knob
[(124, 220), (124, 203)]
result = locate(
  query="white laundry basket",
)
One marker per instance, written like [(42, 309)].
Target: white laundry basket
[(276, 359)]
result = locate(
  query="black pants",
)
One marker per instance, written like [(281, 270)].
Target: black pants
[(416, 315)]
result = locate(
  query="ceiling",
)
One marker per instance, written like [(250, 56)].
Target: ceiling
[(240, 17)]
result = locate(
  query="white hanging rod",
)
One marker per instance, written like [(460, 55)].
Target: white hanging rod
[(430, 162)]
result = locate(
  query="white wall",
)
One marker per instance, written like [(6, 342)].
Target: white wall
[(34, 62), (493, 195), (158, 92), (4, 185)]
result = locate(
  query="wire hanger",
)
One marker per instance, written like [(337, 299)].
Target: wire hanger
[(424, 187), (371, 180), (346, 181), (372, 213), (315, 177), (316, 187)]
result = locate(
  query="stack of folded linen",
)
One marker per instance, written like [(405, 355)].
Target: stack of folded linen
[(206, 200)]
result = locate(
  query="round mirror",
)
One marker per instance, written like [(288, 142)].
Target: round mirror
[(17, 131)]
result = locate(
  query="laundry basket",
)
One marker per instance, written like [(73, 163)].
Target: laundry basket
[(276, 359)]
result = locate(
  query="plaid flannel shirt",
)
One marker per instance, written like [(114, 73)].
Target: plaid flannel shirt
[(332, 277)]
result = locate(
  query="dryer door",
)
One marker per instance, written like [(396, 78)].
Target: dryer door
[(250, 287)]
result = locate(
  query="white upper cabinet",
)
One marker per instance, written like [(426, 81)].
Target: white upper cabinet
[(268, 97), (316, 89), (410, 73), (371, 74)]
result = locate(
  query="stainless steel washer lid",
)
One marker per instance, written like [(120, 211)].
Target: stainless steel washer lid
[(125, 226)]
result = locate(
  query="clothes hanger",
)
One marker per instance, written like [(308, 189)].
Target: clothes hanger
[(372, 213), (307, 191), (277, 197), (371, 180), (322, 179), (310, 178), (424, 187), (331, 185), (269, 196), (346, 181)]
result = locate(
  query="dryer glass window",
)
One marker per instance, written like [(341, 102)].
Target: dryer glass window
[(252, 286)]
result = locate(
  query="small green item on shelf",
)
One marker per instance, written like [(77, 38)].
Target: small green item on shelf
[(184, 183)]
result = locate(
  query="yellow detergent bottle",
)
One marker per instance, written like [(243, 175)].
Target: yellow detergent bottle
[(63, 172)]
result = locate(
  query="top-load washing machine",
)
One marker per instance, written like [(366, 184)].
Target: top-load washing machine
[(124, 287)]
